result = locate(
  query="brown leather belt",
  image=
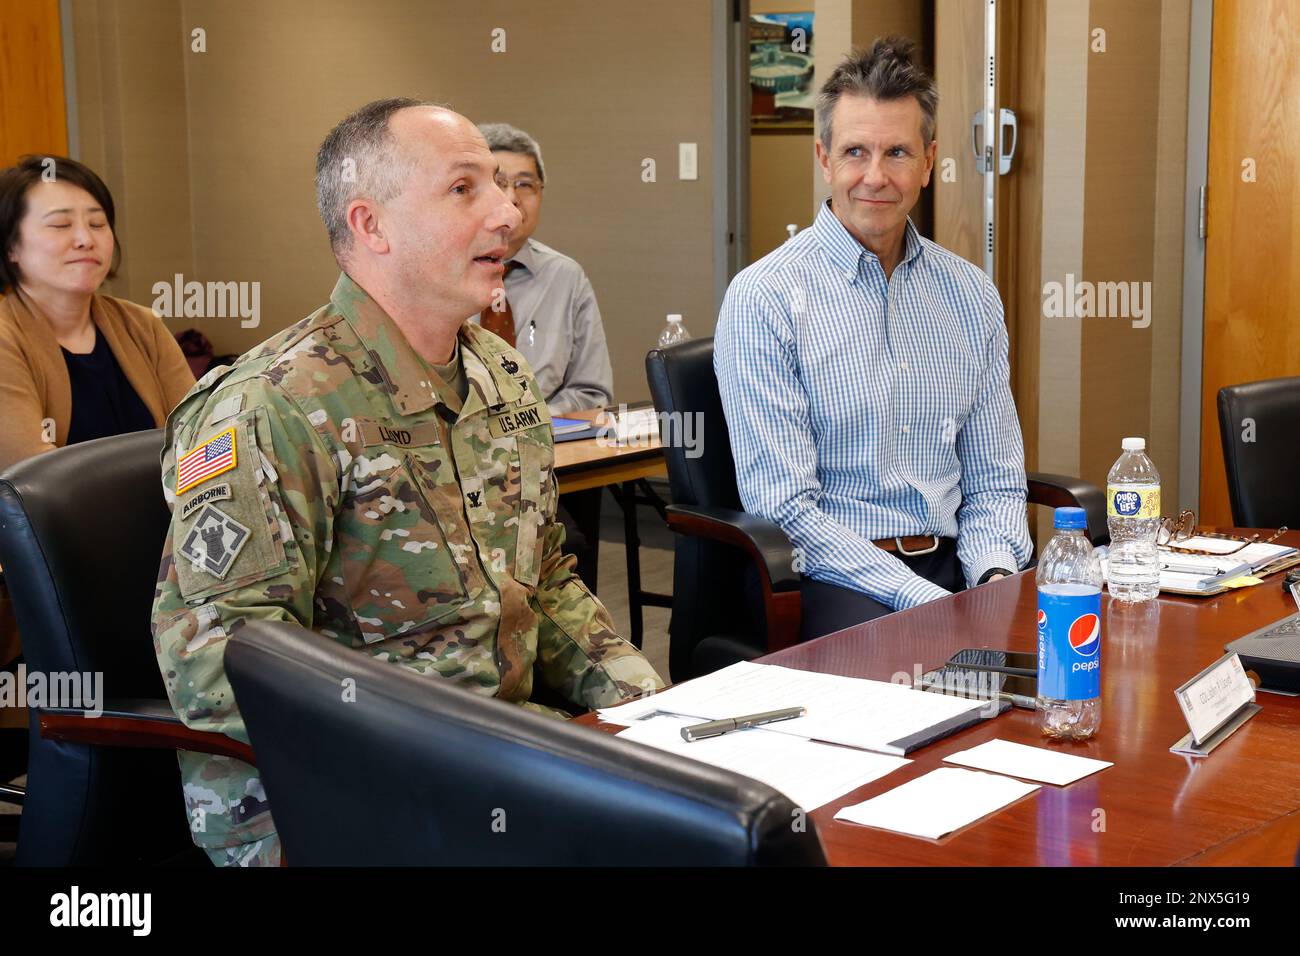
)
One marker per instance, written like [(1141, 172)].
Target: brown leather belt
[(910, 546)]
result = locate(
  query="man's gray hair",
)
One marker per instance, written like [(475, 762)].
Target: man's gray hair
[(360, 158), (511, 139), (888, 71)]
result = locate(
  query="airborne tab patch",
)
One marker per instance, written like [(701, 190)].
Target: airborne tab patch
[(219, 492)]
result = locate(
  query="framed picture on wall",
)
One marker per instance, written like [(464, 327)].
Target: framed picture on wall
[(781, 71)]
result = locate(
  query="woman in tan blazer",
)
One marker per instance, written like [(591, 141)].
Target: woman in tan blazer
[(74, 364)]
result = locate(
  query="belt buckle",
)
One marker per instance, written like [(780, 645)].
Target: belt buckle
[(898, 543)]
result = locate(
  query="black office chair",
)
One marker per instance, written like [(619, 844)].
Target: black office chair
[(81, 535), (735, 592), (1259, 426), (396, 768)]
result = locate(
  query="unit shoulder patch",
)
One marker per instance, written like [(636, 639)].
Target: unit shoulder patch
[(214, 541)]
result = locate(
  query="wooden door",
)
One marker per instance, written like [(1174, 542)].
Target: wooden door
[(34, 115), (1252, 248)]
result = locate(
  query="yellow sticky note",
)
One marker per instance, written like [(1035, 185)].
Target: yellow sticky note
[(1244, 581)]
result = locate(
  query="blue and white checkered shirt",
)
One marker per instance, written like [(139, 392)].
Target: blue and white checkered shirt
[(861, 408)]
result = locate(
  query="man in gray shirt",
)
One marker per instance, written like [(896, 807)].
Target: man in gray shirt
[(549, 312)]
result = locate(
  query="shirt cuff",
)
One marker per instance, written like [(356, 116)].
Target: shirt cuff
[(916, 591), (987, 562)]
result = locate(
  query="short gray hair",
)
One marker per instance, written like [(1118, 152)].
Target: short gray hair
[(359, 157), (888, 71), (502, 137)]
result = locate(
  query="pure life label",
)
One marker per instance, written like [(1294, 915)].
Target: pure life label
[(1133, 501)]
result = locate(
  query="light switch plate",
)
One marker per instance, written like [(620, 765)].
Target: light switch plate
[(687, 161)]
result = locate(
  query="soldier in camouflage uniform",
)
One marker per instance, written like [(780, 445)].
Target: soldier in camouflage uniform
[(335, 478)]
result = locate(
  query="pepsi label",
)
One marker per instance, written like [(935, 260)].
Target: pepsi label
[(1069, 642)]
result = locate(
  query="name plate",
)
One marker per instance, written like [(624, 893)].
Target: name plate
[(1214, 698)]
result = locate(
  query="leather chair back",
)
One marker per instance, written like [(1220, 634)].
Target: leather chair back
[(81, 535), (396, 768), (682, 382), (1262, 484)]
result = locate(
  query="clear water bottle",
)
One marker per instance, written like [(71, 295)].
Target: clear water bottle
[(674, 332), (1069, 630), (1133, 513)]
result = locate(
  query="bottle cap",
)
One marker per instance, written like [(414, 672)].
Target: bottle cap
[(678, 318), (1135, 444), (1070, 519)]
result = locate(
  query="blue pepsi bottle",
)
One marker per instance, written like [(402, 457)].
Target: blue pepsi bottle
[(1069, 630)]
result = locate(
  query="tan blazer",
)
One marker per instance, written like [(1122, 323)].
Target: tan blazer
[(35, 393)]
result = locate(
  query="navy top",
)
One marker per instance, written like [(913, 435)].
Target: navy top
[(103, 401)]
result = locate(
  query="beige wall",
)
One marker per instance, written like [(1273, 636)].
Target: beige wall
[(211, 155)]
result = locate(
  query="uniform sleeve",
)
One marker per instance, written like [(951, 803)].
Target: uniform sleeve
[(23, 432), (589, 377), (993, 527), (772, 441), (246, 543), (578, 652)]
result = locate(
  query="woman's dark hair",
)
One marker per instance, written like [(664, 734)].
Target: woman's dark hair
[(14, 185)]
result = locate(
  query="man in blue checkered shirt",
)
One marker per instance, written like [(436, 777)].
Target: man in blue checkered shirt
[(864, 374)]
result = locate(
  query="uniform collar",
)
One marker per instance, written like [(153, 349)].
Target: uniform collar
[(411, 383), (846, 252), (495, 370)]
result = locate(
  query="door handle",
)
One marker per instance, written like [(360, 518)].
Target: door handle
[(1006, 120), (984, 154)]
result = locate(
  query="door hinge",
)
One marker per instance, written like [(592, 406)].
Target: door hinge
[(1201, 219)]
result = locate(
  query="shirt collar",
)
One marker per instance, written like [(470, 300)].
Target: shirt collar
[(846, 252), (527, 257)]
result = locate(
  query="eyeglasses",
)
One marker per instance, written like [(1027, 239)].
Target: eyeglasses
[(1174, 530), (524, 188)]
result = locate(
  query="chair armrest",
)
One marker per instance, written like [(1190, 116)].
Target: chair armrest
[(136, 723), (765, 543), (1064, 491), (768, 548)]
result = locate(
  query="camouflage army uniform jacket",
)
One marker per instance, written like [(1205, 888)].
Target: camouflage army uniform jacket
[(331, 479)]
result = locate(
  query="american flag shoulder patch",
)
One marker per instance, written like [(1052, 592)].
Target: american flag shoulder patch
[(216, 456)]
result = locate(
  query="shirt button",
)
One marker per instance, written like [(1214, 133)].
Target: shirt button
[(903, 366), (904, 429)]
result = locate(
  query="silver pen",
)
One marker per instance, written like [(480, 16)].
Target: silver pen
[(716, 728)]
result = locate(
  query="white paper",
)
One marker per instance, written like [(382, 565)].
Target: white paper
[(1029, 763), (845, 710), (942, 801), (810, 774)]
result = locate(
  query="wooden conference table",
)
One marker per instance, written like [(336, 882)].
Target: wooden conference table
[(1238, 806), (590, 463)]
